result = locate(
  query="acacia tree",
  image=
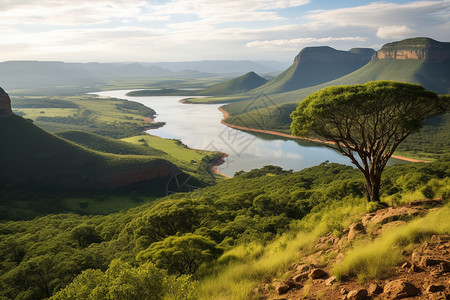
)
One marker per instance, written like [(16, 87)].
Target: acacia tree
[(366, 122)]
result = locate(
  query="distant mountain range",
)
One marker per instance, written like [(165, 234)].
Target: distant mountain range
[(31, 74), (241, 84), (223, 66)]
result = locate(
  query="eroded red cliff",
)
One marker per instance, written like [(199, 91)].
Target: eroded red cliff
[(5, 103)]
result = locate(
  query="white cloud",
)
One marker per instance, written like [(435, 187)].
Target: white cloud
[(106, 30), (66, 12), (300, 42), (380, 14), (394, 32), (219, 11)]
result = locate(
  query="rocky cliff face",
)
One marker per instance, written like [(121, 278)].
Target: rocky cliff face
[(417, 49), (5, 103)]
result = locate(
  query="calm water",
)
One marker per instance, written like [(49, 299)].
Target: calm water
[(198, 126)]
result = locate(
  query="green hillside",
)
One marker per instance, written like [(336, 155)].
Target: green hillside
[(193, 162), (109, 145), (316, 65), (241, 84), (32, 156)]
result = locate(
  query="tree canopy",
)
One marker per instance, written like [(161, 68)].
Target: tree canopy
[(366, 122)]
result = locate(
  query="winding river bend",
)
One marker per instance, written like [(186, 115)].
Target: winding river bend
[(198, 126)]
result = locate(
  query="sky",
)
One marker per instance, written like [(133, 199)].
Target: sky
[(189, 30)]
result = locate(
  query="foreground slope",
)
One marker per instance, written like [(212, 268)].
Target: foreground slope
[(263, 220)]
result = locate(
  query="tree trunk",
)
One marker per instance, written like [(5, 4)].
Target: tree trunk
[(372, 187)]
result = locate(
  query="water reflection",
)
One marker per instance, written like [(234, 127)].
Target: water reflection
[(198, 126)]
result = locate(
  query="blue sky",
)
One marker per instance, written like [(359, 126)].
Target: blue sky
[(181, 30)]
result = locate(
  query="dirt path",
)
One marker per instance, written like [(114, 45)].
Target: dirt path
[(226, 115)]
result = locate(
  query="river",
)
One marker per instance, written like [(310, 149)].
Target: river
[(198, 126)]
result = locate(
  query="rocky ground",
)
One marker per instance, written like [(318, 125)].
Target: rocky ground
[(424, 274)]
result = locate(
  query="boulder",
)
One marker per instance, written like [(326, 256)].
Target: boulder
[(427, 261), (330, 281), (317, 274), (302, 268), (444, 267), (433, 288), (299, 278), (374, 289), (399, 289), (438, 296), (359, 294), (415, 268), (393, 214), (355, 229), (284, 287)]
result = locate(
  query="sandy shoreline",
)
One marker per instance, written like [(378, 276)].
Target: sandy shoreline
[(226, 115)]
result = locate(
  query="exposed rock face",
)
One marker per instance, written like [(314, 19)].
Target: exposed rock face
[(5, 103), (416, 48)]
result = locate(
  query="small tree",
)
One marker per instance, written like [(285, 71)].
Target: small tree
[(366, 122), (181, 254)]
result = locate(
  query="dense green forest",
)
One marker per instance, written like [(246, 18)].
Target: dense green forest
[(171, 248)]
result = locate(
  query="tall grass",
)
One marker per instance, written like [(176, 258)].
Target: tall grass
[(373, 260), (251, 264)]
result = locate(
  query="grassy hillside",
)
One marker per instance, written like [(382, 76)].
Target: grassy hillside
[(32, 156), (105, 116), (316, 65), (104, 144), (237, 85)]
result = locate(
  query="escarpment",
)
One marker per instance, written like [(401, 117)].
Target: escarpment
[(416, 49)]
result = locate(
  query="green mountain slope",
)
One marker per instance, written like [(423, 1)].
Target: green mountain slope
[(34, 157), (315, 65), (240, 84)]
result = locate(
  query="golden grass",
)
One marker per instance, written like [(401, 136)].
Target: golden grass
[(374, 259)]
